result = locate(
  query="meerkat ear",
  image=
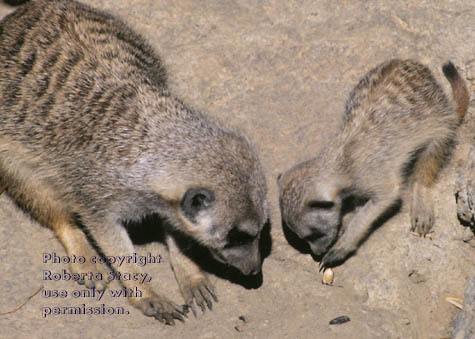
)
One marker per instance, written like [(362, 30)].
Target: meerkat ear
[(196, 200)]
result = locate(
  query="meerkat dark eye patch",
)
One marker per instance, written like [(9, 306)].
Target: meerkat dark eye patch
[(238, 238), (196, 200), (315, 235), (320, 204)]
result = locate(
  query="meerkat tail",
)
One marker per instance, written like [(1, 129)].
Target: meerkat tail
[(459, 89)]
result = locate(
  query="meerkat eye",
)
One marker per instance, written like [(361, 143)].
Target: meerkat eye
[(196, 200), (320, 204), (199, 201)]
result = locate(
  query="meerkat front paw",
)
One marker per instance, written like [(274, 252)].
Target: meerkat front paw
[(334, 257), (160, 308), (199, 290), (195, 287), (422, 211)]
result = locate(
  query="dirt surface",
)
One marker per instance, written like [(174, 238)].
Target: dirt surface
[(279, 71)]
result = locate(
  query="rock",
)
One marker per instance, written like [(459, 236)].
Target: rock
[(463, 327), (465, 194)]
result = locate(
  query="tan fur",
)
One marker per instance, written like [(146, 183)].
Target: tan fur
[(461, 97)]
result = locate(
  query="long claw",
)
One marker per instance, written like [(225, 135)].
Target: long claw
[(202, 306), (192, 306), (322, 266), (212, 292), (206, 298)]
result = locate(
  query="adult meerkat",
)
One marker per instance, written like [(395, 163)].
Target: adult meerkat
[(91, 138), (397, 133)]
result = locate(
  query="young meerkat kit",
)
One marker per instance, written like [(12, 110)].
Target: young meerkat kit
[(91, 138), (398, 131)]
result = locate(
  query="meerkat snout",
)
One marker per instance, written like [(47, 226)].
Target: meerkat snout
[(240, 246)]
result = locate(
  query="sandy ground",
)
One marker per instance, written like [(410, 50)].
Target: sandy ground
[(279, 71)]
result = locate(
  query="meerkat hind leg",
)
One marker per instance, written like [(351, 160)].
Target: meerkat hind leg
[(41, 201), (193, 282), (422, 209), (76, 243), (425, 174)]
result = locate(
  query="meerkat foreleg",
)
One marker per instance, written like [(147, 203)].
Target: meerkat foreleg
[(193, 282), (358, 228), (75, 242)]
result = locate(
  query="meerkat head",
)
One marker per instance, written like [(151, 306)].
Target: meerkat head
[(228, 223), (311, 203), (223, 205)]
